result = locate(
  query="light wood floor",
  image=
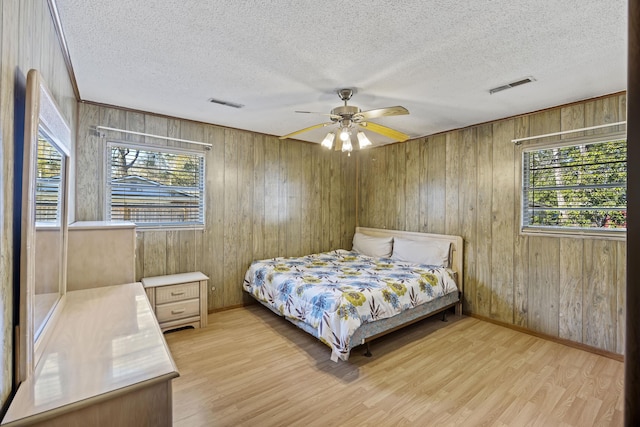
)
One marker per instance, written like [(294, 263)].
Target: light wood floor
[(252, 368)]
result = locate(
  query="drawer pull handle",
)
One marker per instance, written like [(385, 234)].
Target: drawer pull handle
[(177, 311), (176, 294)]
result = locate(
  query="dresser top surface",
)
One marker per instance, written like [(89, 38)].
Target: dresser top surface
[(173, 279), (105, 339)]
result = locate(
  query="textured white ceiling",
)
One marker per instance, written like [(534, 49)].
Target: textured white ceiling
[(437, 58)]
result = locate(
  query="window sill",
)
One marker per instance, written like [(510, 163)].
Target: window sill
[(574, 233), (144, 228)]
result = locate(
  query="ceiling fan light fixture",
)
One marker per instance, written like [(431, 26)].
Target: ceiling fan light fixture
[(344, 134), (348, 118), (363, 141), (328, 140), (346, 145)]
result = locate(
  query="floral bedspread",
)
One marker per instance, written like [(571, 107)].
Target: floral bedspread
[(335, 292)]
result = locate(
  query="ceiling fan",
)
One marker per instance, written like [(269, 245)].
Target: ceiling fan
[(349, 118)]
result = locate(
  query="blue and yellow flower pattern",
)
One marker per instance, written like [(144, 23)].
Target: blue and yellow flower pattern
[(335, 292)]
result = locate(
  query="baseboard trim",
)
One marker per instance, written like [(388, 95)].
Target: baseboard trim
[(563, 341), (229, 307)]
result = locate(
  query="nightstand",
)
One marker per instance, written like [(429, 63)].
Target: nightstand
[(178, 300)]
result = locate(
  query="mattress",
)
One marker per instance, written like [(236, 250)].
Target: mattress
[(334, 295)]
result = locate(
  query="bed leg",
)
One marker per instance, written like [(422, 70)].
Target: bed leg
[(444, 316), (368, 352)]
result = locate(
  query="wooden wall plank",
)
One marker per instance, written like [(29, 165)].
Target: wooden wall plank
[(306, 198), (543, 298), (467, 205), (484, 291), (244, 233), (293, 220), (412, 170), (272, 204), (258, 228), (190, 244), (400, 154), (520, 241), (213, 241), (325, 213), (155, 253), (452, 173), (621, 295), (503, 221), (347, 200), (231, 217), (600, 294), (570, 304), (379, 200), (424, 190), (283, 197), (334, 200), (386, 179), (172, 252), (437, 207), (89, 183), (140, 273)]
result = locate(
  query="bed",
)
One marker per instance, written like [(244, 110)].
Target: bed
[(388, 280)]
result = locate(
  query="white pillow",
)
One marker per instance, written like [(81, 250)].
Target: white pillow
[(378, 247), (431, 252)]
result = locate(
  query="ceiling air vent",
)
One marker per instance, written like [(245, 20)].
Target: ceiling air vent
[(512, 84), (226, 103)]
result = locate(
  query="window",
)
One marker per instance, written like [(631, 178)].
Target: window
[(48, 182), (155, 187), (580, 187)]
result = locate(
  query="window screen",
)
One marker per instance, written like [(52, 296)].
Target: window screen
[(581, 186), (155, 187)]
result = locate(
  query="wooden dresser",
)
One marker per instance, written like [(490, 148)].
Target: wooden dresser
[(178, 300), (106, 363), (101, 253)]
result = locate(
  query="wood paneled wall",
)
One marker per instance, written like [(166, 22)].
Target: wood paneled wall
[(467, 182), (27, 40), (264, 198)]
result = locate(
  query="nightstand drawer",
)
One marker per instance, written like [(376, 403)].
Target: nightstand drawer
[(178, 310), (179, 292), (179, 300)]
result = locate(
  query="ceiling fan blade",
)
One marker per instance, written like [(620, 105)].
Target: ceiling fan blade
[(383, 130), (320, 125), (381, 112), (333, 116)]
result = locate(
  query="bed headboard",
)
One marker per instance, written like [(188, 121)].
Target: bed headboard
[(455, 256)]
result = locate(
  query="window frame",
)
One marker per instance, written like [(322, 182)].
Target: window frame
[(550, 231), (167, 226)]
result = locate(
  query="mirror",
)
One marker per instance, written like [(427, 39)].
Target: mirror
[(44, 220), (48, 237)]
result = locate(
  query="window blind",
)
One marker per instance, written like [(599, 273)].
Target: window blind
[(581, 186), (48, 182), (155, 187)]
